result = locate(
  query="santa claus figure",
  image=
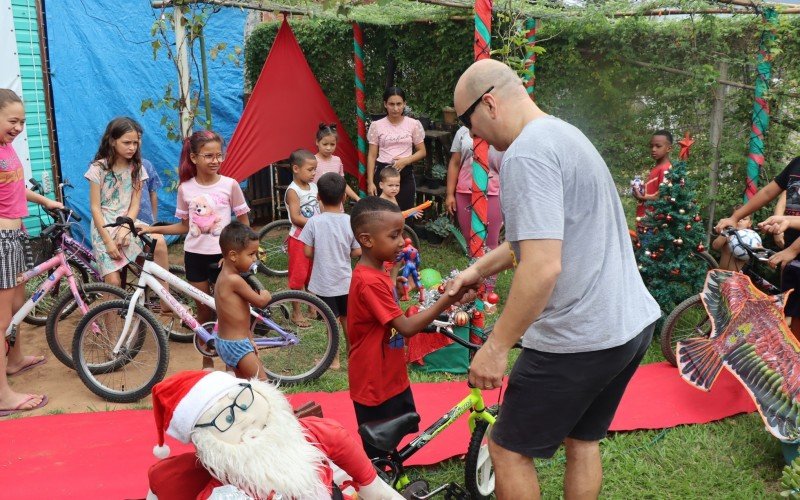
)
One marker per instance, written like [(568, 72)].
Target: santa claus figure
[(250, 445)]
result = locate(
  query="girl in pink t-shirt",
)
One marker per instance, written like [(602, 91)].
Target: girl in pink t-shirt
[(459, 188), (327, 137), (13, 257), (396, 140), (206, 200)]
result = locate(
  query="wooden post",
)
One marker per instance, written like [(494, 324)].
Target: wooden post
[(715, 135)]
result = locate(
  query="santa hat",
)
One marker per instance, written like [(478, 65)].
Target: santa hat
[(180, 400)]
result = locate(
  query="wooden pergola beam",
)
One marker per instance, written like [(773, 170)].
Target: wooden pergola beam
[(242, 4)]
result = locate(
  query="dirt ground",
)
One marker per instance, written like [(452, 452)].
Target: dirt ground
[(63, 387)]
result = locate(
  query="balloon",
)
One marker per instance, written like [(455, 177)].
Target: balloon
[(430, 278)]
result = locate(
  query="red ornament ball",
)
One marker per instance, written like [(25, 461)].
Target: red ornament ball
[(701, 248), (669, 218), (697, 218), (477, 315), (688, 227), (493, 298), (440, 288)]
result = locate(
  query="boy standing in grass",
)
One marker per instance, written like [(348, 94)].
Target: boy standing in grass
[(232, 298), (330, 244), (376, 326)]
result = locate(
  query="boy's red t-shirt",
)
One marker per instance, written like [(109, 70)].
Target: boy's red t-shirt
[(376, 371), (652, 184)]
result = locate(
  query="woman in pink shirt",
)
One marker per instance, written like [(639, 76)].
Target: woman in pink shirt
[(13, 257), (398, 141)]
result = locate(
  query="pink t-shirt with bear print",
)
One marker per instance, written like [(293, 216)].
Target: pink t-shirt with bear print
[(208, 209)]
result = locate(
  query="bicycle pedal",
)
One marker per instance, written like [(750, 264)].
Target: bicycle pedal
[(416, 490), (455, 492)]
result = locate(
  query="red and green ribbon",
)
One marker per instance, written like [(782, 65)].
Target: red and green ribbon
[(361, 108), (755, 156), (530, 58), (480, 150)]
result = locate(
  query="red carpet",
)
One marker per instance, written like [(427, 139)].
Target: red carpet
[(106, 454)]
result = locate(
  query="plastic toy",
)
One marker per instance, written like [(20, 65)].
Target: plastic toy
[(410, 259)]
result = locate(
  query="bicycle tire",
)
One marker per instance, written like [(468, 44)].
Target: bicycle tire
[(273, 252), (478, 468), (60, 327), (319, 343), (709, 259), (408, 232), (150, 340), (41, 311), (688, 319)]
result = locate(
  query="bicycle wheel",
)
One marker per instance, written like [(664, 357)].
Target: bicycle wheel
[(175, 328), (478, 469), (273, 250), (688, 319), (709, 259), (318, 343), (409, 233), (61, 324), (129, 375), (41, 311)]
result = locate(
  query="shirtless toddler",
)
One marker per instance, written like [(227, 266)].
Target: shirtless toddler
[(233, 296)]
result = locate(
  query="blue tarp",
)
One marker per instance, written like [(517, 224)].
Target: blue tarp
[(101, 63)]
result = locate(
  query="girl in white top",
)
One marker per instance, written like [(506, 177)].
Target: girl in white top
[(327, 137)]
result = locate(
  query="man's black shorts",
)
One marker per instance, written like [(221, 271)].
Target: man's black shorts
[(790, 280), (338, 304), (554, 396)]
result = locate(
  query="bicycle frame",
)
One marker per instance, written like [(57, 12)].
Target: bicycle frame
[(473, 401), (59, 262), (150, 276)]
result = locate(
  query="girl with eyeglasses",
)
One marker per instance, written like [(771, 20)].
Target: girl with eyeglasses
[(205, 203), (115, 180)]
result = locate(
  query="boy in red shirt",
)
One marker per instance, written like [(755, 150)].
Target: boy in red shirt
[(376, 326), (660, 148)]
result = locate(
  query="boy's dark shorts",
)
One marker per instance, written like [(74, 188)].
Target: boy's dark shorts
[(338, 304), (790, 280), (393, 407), (554, 396), (199, 267)]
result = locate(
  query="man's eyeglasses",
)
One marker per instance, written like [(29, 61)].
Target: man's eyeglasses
[(466, 117), (226, 417), (211, 156)]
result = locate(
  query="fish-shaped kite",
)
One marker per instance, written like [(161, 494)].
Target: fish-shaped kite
[(749, 337)]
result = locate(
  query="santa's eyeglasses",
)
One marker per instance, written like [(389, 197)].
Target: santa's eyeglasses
[(225, 418)]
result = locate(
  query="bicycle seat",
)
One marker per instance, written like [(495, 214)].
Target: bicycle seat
[(386, 435)]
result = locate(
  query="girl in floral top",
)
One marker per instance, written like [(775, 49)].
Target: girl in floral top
[(116, 177)]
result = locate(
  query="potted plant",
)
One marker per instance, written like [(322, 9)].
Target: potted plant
[(437, 176), (439, 229)]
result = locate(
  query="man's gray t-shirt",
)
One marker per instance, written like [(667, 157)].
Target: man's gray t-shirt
[(332, 238), (555, 185)]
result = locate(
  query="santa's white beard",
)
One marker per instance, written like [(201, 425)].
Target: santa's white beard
[(276, 459)]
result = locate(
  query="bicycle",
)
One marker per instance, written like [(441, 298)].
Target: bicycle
[(120, 350), (59, 267), (386, 435), (690, 318), (54, 307), (273, 251)]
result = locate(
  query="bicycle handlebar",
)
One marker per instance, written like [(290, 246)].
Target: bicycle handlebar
[(444, 325), (127, 221), (761, 254), (62, 216)]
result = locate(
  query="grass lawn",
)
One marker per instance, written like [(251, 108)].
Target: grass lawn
[(734, 458)]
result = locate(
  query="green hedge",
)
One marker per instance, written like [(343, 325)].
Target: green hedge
[(584, 77)]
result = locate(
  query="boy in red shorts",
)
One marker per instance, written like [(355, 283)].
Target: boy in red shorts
[(376, 326)]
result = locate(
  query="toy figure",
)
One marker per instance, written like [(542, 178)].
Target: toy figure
[(410, 258), (250, 445)]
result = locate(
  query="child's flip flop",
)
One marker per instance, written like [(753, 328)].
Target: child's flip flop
[(28, 367), (19, 409)]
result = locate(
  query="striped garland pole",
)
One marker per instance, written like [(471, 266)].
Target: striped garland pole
[(361, 108), (480, 164), (530, 57), (755, 156)]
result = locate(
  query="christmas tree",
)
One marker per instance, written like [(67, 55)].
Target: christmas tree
[(669, 236)]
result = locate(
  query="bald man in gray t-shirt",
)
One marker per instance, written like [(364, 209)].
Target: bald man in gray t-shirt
[(577, 300)]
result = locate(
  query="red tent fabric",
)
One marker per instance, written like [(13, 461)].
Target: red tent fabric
[(283, 114)]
